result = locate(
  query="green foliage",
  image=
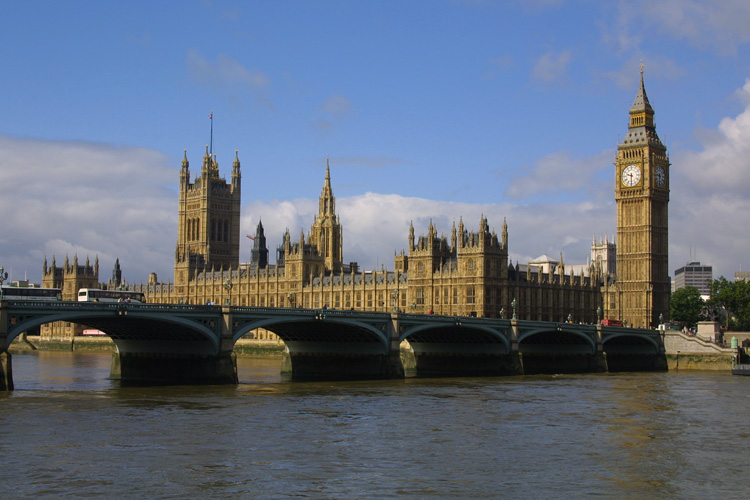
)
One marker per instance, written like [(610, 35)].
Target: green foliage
[(686, 305), (734, 298)]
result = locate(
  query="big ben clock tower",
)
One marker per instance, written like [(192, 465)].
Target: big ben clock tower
[(642, 196)]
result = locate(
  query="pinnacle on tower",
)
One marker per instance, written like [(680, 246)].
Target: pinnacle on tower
[(641, 99)]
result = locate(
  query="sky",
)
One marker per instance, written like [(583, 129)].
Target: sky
[(428, 111)]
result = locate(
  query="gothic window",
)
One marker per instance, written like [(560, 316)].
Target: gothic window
[(470, 265), (455, 296), (470, 295), (213, 229), (420, 296), (369, 300)]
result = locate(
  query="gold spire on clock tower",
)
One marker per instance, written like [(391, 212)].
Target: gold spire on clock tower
[(642, 196)]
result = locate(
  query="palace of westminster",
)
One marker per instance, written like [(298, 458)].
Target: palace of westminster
[(466, 274)]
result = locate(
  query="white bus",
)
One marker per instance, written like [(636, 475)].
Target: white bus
[(31, 293), (96, 295)]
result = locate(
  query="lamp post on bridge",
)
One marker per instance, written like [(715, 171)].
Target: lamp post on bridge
[(394, 300), (514, 304), (598, 315), (3, 277), (502, 313), (291, 299)]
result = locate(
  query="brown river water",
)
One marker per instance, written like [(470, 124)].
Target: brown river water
[(68, 431)]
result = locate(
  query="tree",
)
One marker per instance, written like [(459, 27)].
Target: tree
[(686, 305), (734, 298)]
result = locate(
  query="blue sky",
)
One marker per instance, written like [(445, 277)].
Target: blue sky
[(429, 110)]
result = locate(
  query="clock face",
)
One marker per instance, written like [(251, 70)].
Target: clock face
[(660, 176), (631, 175)]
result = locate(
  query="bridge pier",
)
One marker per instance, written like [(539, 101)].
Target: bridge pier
[(600, 356), (6, 371), (177, 369), (345, 360), (6, 365), (183, 363)]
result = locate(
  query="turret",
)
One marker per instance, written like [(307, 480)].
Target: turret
[(236, 175), (185, 171)]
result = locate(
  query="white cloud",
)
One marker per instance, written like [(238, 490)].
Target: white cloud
[(375, 226), (224, 73), (723, 166), (719, 24), (85, 198), (96, 199), (710, 199), (558, 172), (337, 105), (550, 66)]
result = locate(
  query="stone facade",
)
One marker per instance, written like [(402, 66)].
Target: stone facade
[(466, 275), (69, 279)]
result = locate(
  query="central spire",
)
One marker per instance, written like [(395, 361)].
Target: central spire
[(641, 99), (326, 197), (326, 230)]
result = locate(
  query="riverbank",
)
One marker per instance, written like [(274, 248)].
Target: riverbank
[(243, 347)]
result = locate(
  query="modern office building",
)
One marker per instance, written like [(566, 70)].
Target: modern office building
[(696, 275)]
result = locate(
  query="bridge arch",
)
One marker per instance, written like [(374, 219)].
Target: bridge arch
[(455, 331), (309, 329), (124, 325), (626, 337), (556, 336)]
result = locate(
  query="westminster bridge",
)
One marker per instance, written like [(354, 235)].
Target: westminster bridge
[(192, 344)]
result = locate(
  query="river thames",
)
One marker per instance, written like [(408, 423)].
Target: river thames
[(68, 431)]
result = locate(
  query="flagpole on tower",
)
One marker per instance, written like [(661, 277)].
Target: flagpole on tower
[(211, 150)]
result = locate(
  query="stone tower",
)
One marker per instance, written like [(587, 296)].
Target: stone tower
[(208, 232), (603, 258), (71, 276), (325, 233), (69, 279), (642, 196), (259, 253), (116, 280)]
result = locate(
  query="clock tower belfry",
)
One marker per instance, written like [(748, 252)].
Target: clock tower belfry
[(642, 291)]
